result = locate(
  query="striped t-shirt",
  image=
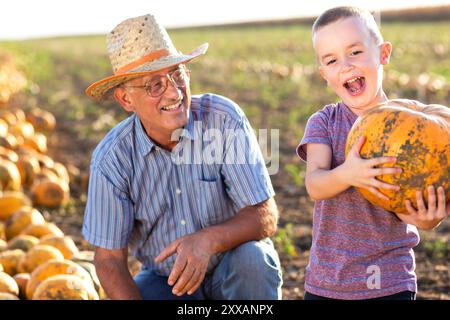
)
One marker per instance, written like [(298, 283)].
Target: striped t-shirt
[(145, 197), (359, 251)]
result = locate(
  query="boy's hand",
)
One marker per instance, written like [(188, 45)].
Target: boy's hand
[(361, 173), (427, 218)]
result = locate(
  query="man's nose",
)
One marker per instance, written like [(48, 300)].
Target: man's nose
[(172, 90)]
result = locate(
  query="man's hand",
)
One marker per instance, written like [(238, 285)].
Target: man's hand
[(191, 263), (427, 218)]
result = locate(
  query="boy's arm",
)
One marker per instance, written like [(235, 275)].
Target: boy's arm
[(324, 183)]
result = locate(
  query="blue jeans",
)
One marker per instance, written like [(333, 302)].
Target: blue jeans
[(250, 271)]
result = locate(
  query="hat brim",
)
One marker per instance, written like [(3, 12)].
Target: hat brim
[(99, 90)]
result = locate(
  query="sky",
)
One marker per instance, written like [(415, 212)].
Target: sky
[(23, 19)]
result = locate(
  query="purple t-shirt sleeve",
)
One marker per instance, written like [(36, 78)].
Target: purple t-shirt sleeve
[(315, 132)]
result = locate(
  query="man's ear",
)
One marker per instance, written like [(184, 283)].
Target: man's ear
[(385, 52), (123, 98)]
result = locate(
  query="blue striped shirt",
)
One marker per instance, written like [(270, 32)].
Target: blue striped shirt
[(145, 197)]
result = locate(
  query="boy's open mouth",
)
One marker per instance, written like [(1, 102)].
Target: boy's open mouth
[(355, 86)]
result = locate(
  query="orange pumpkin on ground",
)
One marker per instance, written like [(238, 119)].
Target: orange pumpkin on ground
[(8, 296), (40, 230), (50, 194), (28, 168), (2, 231), (22, 219), (8, 285), (3, 247), (10, 259), (52, 268), (64, 244), (22, 281), (38, 255), (42, 120), (23, 242), (65, 287), (9, 176), (11, 201), (419, 136)]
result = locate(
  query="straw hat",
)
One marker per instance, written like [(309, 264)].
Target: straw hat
[(136, 47)]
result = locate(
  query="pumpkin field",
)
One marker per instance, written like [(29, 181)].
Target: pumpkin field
[(269, 70)]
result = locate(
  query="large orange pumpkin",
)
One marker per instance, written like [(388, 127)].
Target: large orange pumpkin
[(419, 136), (52, 268), (65, 287)]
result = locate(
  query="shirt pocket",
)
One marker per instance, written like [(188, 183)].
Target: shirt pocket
[(213, 202)]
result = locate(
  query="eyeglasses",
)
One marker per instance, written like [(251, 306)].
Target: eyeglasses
[(156, 86)]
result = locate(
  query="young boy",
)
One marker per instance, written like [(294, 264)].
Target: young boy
[(358, 251)]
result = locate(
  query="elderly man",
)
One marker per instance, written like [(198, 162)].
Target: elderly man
[(197, 212)]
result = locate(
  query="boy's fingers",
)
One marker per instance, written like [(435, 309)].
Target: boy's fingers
[(358, 145), (431, 199), (441, 197), (387, 170), (420, 203), (378, 193), (410, 208), (383, 185), (382, 160)]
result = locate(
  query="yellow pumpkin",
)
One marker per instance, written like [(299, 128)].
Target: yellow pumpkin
[(22, 281), (61, 171), (22, 242), (8, 285), (50, 194), (28, 168), (64, 244), (8, 154), (3, 128), (8, 296), (38, 142), (42, 120), (9, 259), (40, 230), (10, 141), (419, 136), (2, 231), (65, 287), (21, 219), (10, 202), (52, 268), (3, 247), (22, 129), (38, 255), (9, 176)]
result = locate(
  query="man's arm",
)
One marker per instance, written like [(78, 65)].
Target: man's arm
[(114, 275), (195, 250)]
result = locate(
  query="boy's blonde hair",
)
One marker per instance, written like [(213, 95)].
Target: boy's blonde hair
[(335, 14)]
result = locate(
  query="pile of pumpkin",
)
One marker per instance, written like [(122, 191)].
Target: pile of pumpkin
[(37, 261), (24, 165)]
